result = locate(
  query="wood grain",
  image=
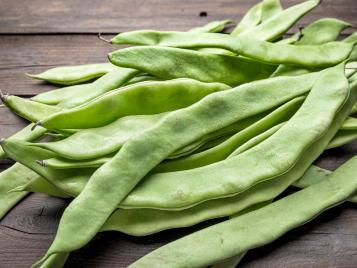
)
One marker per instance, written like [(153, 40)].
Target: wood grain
[(112, 16), (36, 53)]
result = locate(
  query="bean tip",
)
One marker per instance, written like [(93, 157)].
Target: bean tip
[(2, 140), (36, 125), (100, 37), (3, 96), (41, 163)]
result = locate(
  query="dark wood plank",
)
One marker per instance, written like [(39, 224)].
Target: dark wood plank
[(112, 16), (36, 53)]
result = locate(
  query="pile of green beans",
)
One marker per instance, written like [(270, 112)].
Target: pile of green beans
[(188, 127)]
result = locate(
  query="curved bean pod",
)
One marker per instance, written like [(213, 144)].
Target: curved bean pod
[(274, 53), (72, 96), (240, 235), (142, 98), (206, 67), (29, 110), (70, 75), (222, 150), (96, 142)]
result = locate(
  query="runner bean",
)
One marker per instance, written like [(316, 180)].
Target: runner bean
[(311, 56), (142, 98), (71, 75)]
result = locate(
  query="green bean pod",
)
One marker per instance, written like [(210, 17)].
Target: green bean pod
[(142, 98), (178, 63), (30, 110), (311, 56), (72, 96), (97, 142), (222, 150), (71, 75), (254, 229)]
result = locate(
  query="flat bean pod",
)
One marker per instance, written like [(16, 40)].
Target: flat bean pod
[(79, 94), (142, 98), (97, 142), (87, 144), (240, 235), (222, 150), (206, 67), (70, 75), (311, 56), (29, 110)]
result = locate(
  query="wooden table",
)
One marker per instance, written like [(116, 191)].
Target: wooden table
[(37, 34)]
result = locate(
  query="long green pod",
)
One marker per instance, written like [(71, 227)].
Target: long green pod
[(13, 177), (29, 110), (222, 150), (72, 96), (155, 144), (97, 142), (70, 75), (254, 229), (141, 98), (206, 67), (311, 56)]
